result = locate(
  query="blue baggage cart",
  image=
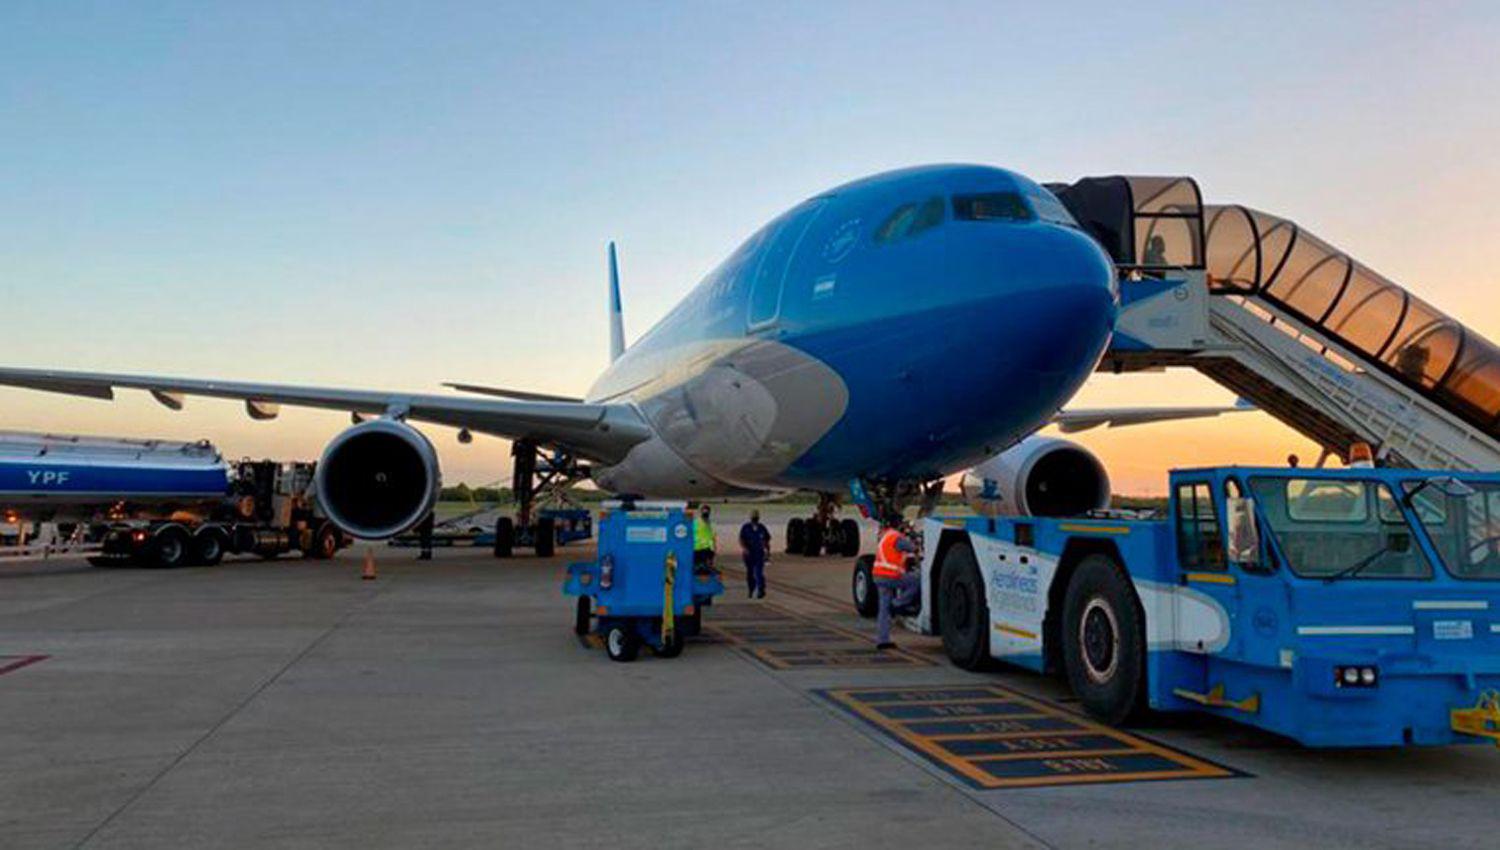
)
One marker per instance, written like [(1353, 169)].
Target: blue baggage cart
[(641, 589)]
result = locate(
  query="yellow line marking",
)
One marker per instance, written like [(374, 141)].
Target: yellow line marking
[(962, 766), (1095, 529), (1210, 578), (930, 745), (964, 701), (1040, 755), (1012, 630)]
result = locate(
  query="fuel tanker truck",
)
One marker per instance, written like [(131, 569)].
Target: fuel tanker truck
[(159, 503)]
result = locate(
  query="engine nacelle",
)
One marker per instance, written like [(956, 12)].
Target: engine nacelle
[(378, 479), (1039, 476)]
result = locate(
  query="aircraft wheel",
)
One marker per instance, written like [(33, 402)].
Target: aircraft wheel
[(795, 528), (866, 596), (505, 537), (850, 530), (1104, 641), (544, 536), (812, 539), (963, 614), (621, 644)]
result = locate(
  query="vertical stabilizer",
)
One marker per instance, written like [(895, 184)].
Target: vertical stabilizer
[(616, 319)]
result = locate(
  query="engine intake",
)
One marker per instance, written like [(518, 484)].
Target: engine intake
[(378, 479), (1039, 476)]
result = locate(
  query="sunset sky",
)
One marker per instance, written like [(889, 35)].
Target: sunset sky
[(392, 195)]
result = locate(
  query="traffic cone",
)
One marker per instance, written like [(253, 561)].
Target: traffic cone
[(368, 574)]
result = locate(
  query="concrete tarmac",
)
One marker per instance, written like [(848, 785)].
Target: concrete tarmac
[(290, 704)]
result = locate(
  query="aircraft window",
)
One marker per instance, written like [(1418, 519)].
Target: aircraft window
[(1049, 208), (911, 219), (991, 206), (895, 225), (928, 216)]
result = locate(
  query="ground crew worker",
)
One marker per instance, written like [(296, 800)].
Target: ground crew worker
[(897, 585), (755, 543), (424, 532), (705, 542)]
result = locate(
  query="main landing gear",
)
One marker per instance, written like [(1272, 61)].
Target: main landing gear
[(823, 533), (540, 475)]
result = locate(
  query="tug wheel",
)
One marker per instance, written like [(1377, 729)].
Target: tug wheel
[(621, 644), (583, 616), (963, 613), (862, 587), (1104, 641)]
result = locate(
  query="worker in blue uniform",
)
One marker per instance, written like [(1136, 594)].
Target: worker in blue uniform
[(755, 545)]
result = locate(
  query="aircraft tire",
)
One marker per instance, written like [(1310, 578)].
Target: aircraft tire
[(544, 537), (812, 539), (795, 528), (1104, 641), (850, 530), (963, 613), (505, 537)]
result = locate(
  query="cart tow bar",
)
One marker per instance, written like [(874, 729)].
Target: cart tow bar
[(668, 620), (1483, 720)]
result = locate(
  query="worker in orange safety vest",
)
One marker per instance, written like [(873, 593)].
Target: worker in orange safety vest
[(896, 578)]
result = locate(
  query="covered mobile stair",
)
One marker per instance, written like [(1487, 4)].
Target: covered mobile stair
[(1309, 334)]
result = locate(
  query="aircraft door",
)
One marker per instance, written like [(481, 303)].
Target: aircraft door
[(769, 277)]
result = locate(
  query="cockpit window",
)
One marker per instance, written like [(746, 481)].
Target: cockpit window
[(1049, 208), (991, 206), (911, 219)]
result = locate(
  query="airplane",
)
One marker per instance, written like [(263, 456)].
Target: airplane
[(873, 339)]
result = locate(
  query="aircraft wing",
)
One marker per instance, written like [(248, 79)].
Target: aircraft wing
[(1082, 419), (603, 432)]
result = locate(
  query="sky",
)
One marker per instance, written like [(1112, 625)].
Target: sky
[(393, 195)]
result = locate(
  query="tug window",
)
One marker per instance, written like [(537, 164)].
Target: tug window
[(1199, 544)]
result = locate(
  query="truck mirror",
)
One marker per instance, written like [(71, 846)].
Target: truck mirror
[(1244, 537)]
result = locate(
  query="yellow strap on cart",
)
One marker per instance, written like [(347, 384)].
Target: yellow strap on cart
[(668, 619), (1483, 720)]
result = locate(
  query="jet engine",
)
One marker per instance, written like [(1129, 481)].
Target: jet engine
[(378, 479), (1039, 476)]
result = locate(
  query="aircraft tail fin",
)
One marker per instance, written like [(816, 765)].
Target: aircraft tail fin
[(616, 317)]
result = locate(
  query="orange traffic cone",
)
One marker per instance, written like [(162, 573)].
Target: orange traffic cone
[(368, 574)]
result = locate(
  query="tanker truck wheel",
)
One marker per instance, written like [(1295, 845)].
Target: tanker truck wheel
[(325, 543), (169, 547), (208, 546)]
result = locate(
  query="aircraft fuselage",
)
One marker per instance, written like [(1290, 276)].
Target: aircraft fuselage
[(904, 326)]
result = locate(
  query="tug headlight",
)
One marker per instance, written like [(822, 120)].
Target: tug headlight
[(1356, 677)]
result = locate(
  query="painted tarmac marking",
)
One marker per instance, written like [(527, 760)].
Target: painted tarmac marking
[(991, 737), (12, 663), (784, 640)]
